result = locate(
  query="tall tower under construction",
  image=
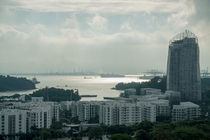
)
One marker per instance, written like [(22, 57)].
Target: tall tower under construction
[(183, 68)]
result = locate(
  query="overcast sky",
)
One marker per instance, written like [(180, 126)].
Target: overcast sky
[(126, 36)]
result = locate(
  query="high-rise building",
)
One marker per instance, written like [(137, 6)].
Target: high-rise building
[(183, 70)]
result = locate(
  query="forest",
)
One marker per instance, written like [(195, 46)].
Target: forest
[(9, 83), (56, 94)]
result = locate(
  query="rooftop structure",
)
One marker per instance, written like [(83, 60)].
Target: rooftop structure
[(182, 36)]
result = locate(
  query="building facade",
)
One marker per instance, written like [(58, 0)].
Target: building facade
[(183, 68), (84, 110), (124, 113), (12, 121), (185, 111), (17, 117)]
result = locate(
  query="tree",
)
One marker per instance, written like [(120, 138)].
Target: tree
[(56, 125), (142, 135), (120, 129), (56, 94), (162, 131), (45, 134), (145, 125), (188, 133), (9, 83), (95, 133), (120, 137)]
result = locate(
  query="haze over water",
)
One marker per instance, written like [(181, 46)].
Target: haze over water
[(87, 85)]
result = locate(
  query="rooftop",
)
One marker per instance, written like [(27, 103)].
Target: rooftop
[(185, 105), (183, 35)]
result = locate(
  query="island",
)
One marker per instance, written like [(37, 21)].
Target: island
[(10, 83), (111, 75), (156, 82), (57, 94)]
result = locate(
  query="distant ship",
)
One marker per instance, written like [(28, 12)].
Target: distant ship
[(34, 80), (88, 77), (111, 75), (147, 77)]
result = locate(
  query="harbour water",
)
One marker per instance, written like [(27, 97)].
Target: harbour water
[(87, 85)]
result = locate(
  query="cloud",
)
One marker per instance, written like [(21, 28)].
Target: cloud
[(180, 18), (6, 30), (95, 6), (109, 35), (126, 26), (98, 22)]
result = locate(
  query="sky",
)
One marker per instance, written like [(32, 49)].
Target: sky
[(106, 36)]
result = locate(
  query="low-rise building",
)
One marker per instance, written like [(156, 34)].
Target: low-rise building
[(149, 91), (185, 111), (37, 99), (162, 107)]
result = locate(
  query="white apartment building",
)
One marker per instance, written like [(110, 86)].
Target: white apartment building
[(84, 110), (13, 121), (185, 111), (162, 107), (124, 113), (54, 107), (18, 117), (148, 111), (41, 117)]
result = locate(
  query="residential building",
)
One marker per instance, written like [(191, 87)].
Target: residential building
[(125, 113), (13, 121), (149, 91), (185, 111), (162, 107)]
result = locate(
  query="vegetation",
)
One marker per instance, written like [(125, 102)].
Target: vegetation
[(95, 133), (9, 83), (182, 130), (123, 86), (156, 82), (120, 137), (13, 96), (57, 95)]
